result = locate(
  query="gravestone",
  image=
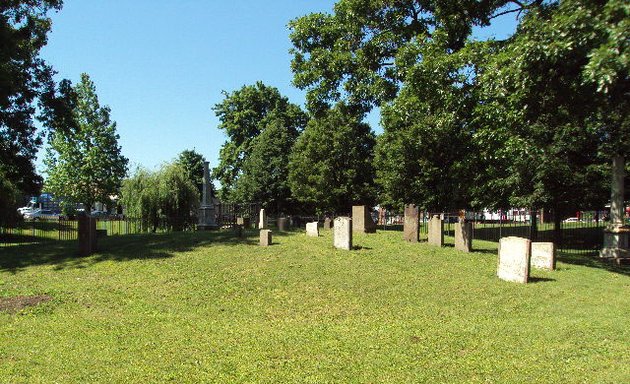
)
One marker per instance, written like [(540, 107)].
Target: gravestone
[(244, 222), (362, 220), (514, 256), (342, 233), (282, 224), (411, 228), (262, 219), (543, 255), (327, 223), (436, 231), (206, 215), (87, 235), (265, 237), (312, 229), (463, 235)]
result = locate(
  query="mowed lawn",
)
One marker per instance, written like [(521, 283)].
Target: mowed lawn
[(208, 307)]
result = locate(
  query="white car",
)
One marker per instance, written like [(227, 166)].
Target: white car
[(24, 210), (42, 214), (571, 220)]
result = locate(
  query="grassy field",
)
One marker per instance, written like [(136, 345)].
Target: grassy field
[(207, 307)]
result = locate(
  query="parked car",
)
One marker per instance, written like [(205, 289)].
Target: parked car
[(42, 214), (24, 210), (571, 220), (99, 214)]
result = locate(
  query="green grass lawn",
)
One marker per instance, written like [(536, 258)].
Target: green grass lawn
[(207, 307)]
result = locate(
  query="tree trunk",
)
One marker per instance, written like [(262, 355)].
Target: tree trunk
[(533, 229), (557, 227)]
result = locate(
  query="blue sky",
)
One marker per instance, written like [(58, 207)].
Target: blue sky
[(161, 64)]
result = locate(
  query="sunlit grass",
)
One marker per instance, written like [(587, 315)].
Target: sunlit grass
[(208, 307)]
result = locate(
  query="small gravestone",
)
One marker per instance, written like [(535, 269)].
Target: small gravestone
[(463, 235), (265, 237), (543, 255), (411, 229), (362, 220), (436, 231), (312, 229), (342, 233), (262, 220), (327, 223), (243, 222), (282, 224), (514, 255)]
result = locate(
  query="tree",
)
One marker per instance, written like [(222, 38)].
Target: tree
[(9, 195), (24, 78), (244, 114), (192, 163), (266, 170), (83, 161), (360, 52), (330, 168), (165, 197)]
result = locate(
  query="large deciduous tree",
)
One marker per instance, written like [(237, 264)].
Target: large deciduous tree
[(331, 165), (244, 115), (24, 78), (192, 163), (84, 163)]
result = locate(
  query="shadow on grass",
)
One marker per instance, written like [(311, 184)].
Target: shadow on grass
[(535, 280), (64, 254), (591, 260)]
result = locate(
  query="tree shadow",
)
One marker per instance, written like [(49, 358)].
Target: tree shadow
[(534, 280), (592, 260), (65, 254)]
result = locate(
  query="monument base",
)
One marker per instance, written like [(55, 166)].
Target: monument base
[(206, 219), (616, 244)]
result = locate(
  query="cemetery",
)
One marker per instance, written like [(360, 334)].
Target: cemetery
[(431, 192)]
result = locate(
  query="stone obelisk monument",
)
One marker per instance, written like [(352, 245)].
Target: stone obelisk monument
[(206, 211)]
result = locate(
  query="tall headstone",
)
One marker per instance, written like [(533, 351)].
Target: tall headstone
[(327, 223), (262, 219), (543, 255), (342, 233), (207, 218), (87, 235), (411, 229), (312, 229), (265, 237), (436, 231), (514, 257), (362, 220), (282, 224), (463, 235), (617, 234)]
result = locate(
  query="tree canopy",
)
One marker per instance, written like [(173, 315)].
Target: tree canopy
[(84, 163), (192, 163), (244, 115), (24, 79)]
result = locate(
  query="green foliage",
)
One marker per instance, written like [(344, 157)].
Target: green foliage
[(83, 161), (358, 52), (9, 195), (24, 78), (192, 163), (244, 115), (166, 196), (331, 168)]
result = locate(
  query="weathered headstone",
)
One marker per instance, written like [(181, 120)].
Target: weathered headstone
[(312, 229), (463, 235), (362, 220), (342, 233), (327, 223), (411, 228), (207, 219), (282, 224), (87, 235), (436, 231), (262, 220), (265, 237), (244, 222), (543, 255), (514, 257)]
